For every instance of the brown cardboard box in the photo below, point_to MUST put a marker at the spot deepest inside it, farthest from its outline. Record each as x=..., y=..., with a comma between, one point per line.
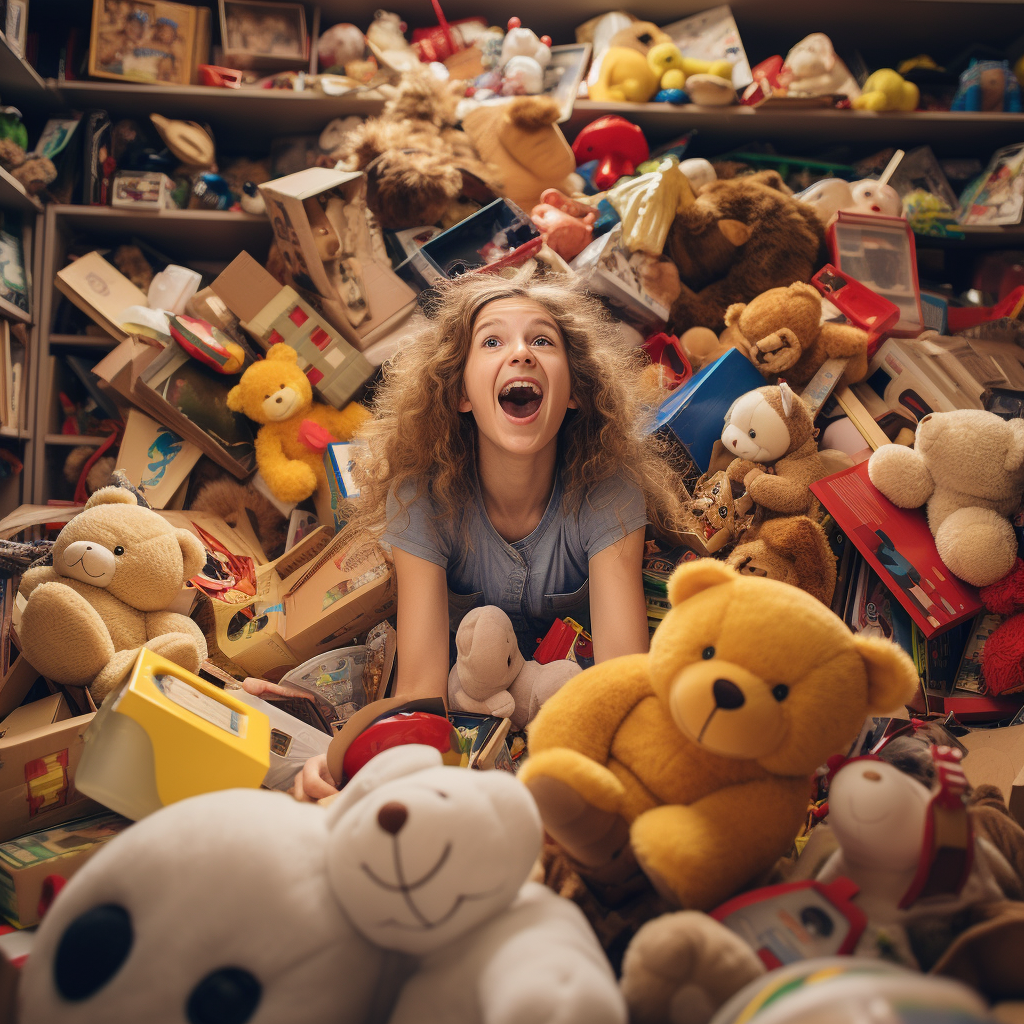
x=348, y=589
x=338, y=197
x=100, y=291
x=37, y=778
x=15, y=685
x=165, y=43
x=37, y=715
x=996, y=757
x=61, y=850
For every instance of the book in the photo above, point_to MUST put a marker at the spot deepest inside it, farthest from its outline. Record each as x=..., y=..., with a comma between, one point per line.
x=899, y=546
x=155, y=458
x=15, y=285
x=875, y=612
x=100, y=291
x=82, y=369
x=860, y=417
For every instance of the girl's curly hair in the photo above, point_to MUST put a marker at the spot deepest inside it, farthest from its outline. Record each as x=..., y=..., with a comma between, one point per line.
x=418, y=434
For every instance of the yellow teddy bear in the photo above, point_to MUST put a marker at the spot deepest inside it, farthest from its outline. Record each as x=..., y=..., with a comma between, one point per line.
x=296, y=430
x=694, y=762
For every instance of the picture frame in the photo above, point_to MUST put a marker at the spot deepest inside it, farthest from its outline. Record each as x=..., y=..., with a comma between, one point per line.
x=261, y=35
x=16, y=25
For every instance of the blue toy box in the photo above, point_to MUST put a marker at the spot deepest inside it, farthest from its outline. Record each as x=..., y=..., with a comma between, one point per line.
x=694, y=414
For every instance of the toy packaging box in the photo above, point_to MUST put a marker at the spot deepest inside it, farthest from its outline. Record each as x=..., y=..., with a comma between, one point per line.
x=264, y=36
x=273, y=314
x=148, y=42
x=333, y=257
x=338, y=463
x=142, y=190
x=27, y=862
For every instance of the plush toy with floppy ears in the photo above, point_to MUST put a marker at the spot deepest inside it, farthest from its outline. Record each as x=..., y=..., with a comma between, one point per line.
x=491, y=676
x=695, y=761
x=785, y=337
x=741, y=237
x=772, y=427
x=968, y=466
x=404, y=900
x=116, y=567
x=295, y=430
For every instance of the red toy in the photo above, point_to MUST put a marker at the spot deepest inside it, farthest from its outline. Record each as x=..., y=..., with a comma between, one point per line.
x=225, y=78
x=206, y=343
x=616, y=144
x=404, y=727
x=665, y=349
x=1003, y=653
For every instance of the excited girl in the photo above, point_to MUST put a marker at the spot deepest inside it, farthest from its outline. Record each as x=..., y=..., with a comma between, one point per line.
x=508, y=464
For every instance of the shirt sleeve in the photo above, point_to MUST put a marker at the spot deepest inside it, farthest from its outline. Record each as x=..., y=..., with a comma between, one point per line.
x=612, y=510
x=412, y=526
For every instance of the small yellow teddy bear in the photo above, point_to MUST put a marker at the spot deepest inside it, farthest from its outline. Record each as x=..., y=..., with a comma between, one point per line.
x=296, y=430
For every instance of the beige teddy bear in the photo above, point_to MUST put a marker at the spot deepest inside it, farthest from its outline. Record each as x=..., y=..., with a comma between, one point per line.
x=116, y=568
x=492, y=677
x=968, y=465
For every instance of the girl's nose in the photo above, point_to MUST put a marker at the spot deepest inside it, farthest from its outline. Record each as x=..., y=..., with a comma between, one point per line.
x=521, y=353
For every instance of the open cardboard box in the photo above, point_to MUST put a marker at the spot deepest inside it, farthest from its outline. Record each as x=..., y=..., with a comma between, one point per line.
x=996, y=757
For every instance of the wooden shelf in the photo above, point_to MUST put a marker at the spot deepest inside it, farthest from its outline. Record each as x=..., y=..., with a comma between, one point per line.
x=14, y=432
x=18, y=79
x=104, y=341
x=948, y=133
x=73, y=440
x=239, y=117
x=14, y=196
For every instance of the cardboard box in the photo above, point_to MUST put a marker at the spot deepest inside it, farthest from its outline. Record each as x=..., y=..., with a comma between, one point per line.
x=996, y=756
x=26, y=862
x=346, y=590
x=148, y=41
x=100, y=291
x=155, y=458
x=341, y=483
x=319, y=209
x=273, y=314
x=142, y=190
x=37, y=715
x=37, y=777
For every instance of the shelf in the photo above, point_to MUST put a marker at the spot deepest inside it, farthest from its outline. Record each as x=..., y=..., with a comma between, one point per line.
x=73, y=440
x=22, y=434
x=18, y=79
x=13, y=195
x=238, y=116
x=946, y=132
x=104, y=341
x=201, y=234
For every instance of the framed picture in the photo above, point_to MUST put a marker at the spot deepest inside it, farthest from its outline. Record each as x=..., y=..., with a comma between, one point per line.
x=16, y=27
x=264, y=36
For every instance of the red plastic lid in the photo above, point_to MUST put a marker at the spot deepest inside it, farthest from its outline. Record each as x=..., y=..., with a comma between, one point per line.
x=406, y=727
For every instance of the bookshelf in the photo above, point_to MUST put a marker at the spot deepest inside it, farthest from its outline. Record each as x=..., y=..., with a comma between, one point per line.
x=201, y=238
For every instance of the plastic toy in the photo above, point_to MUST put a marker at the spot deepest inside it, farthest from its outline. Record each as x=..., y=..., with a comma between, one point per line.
x=567, y=226
x=887, y=90
x=206, y=343
x=990, y=86
x=813, y=69
x=831, y=195
x=523, y=59
x=710, y=90
x=625, y=77
x=224, y=78
x=618, y=145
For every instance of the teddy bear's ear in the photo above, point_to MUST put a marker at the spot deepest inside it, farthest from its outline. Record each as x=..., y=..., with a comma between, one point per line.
x=734, y=231
x=892, y=677
x=395, y=763
x=193, y=554
x=235, y=399
x=284, y=353
x=803, y=288
x=1015, y=448
x=733, y=313
x=693, y=577
x=112, y=495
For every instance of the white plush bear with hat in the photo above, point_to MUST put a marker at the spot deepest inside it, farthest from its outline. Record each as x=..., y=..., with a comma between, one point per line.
x=404, y=900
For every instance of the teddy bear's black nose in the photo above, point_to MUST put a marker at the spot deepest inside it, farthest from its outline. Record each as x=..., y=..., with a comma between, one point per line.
x=278, y=399
x=392, y=816
x=727, y=694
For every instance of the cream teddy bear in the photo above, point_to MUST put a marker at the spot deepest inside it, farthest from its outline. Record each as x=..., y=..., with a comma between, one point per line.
x=492, y=677
x=968, y=465
x=116, y=568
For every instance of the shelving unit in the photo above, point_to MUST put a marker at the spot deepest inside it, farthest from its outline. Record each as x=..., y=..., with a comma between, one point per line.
x=189, y=236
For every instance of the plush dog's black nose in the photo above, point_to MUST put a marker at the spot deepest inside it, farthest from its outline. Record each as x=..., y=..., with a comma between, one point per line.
x=727, y=694
x=391, y=817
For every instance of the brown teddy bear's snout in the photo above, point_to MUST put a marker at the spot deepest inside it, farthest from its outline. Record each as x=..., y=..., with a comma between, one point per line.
x=728, y=709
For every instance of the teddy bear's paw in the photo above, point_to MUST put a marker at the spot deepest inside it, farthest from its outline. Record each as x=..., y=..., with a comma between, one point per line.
x=63, y=636
x=563, y=990
x=291, y=481
x=901, y=475
x=681, y=968
x=594, y=838
x=977, y=544
x=113, y=674
x=177, y=647
x=777, y=352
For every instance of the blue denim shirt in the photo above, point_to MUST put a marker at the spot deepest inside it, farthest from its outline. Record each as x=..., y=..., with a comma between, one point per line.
x=535, y=580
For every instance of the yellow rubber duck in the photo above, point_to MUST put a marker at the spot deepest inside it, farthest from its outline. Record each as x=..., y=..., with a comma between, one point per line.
x=625, y=77
x=887, y=90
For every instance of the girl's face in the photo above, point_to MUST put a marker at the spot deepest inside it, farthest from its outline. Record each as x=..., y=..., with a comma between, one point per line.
x=516, y=381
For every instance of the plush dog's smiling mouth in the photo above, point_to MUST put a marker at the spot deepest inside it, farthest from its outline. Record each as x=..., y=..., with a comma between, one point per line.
x=407, y=888
x=521, y=399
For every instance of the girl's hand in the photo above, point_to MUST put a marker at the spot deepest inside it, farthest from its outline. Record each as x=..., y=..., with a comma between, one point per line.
x=314, y=782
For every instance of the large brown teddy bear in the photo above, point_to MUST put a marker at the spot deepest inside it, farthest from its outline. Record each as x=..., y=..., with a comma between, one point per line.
x=695, y=761
x=116, y=568
x=414, y=156
x=785, y=337
x=739, y=238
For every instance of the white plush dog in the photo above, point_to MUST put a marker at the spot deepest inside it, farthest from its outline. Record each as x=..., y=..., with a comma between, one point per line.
x=246, y=907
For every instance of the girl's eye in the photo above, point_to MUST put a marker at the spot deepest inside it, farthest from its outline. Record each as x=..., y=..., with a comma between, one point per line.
x=491, y=342
x=542, y=341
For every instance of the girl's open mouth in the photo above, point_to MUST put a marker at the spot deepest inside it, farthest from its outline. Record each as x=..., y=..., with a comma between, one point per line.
x=520, y=399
